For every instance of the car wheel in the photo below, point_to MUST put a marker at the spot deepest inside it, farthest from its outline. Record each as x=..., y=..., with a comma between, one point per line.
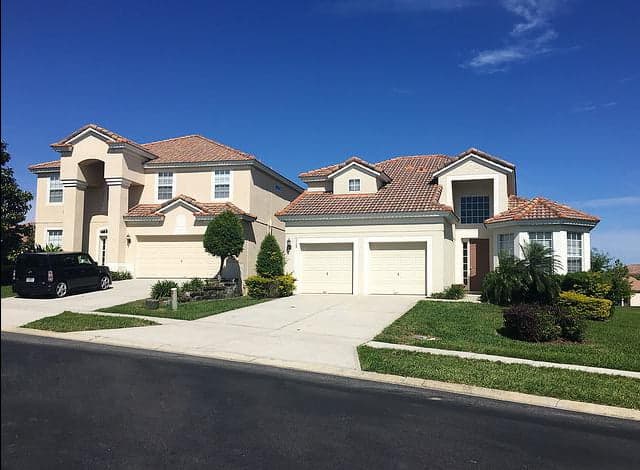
x=61, y=289
x=104, y=283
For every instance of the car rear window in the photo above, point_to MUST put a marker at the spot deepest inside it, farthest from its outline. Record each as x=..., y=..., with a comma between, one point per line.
x=32, y=261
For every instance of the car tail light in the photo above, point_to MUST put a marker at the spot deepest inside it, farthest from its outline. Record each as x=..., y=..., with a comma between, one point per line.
x=50, y=276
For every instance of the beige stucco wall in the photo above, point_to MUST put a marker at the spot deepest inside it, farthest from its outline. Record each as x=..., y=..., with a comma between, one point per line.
x=46, y=215
x=361, y=234
x=368, y=183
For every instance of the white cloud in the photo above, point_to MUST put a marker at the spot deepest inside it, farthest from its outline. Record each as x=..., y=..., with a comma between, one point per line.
x=531, y=36
x=589, y=107
x=622, y=201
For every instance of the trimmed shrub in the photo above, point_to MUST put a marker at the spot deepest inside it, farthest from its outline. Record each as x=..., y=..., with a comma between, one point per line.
x=286, y=285
x=592, y=284
x=194, y=285
x=270, y=261
x=531, y=322
x=162, y=289
x=264, y=287
x=586, y=307
x=573, y=326
x=224, y=237
x=453, y=292
x=120, y=275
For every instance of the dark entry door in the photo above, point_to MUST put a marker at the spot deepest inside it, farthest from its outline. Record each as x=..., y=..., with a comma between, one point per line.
x=478, y=262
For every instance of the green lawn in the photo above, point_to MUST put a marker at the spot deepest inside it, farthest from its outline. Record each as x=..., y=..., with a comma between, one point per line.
x=70, y=321
x=473, y=327
x=7, y=291
x=186, y=311
x=558, y=383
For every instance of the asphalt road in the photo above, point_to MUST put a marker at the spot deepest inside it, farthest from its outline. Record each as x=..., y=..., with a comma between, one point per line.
x=71, y=405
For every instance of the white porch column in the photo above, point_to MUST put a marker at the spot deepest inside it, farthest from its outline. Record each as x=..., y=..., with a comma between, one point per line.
x=586, y=251
x=118, y=207
x=73, y=206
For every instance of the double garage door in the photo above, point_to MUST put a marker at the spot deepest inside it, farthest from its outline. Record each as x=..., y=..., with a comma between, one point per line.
x=174, y=257
x=390, y=268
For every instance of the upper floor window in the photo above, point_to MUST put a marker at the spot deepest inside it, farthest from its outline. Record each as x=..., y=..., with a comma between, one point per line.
x=543, y=238
x=55, y=188
x=474, y=209
x=221, y=184
x=354, y=185
x=54, y=237
x=165, y=185
x=574, y=252
x=505, y=243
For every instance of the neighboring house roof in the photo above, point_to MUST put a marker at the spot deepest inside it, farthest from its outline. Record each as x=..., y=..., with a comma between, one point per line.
x=191, y=149
x=538, y=208
x=634, y=269
x=45, y=165
x=410, y=190
x=635, y=284
x=201, y=209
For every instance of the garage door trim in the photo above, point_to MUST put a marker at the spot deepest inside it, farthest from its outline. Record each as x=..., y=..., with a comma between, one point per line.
x=355, y=255
x=421, y=239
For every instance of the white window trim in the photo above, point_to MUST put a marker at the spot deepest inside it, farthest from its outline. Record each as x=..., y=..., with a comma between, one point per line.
x=173, y=186
x=46, y=235
x=213, y=188
x=49, y=203
x=513, y=242
x=355, y=181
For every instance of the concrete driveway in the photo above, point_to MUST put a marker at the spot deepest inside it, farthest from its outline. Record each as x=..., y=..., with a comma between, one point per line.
x=17, y=311
x=303, y=329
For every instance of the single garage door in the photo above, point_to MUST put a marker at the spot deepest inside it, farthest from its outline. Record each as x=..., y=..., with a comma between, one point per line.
x=397, y=268
x=174, y=256
x=326, y=268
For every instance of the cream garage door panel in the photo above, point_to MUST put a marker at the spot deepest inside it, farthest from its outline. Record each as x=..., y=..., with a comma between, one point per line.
x=326, y=268
x=397, y=268
x=174, y=256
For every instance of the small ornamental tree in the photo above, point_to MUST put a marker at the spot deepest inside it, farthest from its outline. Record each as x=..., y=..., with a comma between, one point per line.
x=270, y=262
x=224, y=237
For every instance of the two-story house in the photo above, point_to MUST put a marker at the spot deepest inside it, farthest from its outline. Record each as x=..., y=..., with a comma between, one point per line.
x=144, y=207
x=417, y=224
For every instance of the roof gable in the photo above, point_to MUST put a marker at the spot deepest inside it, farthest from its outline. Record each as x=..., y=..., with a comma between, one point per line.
x=479, y=157
x=540, y=208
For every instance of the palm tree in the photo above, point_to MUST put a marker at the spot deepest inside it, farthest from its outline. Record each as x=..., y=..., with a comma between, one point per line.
x=540, y=266
x=505, y=285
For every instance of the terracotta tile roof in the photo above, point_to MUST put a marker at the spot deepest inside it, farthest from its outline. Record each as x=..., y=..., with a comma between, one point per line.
x=205, y=208
x=538, y=208
x=410, y=190
x=634, y=269
x=327, y=170
x=116, y=137
x=193, y=148
x=635, y=284
x=45, y=165
x=487, y=156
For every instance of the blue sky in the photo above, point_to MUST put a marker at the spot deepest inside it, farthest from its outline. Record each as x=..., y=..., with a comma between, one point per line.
x=551, y=85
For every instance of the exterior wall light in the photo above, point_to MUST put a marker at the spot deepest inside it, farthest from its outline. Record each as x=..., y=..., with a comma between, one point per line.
x=288, y=246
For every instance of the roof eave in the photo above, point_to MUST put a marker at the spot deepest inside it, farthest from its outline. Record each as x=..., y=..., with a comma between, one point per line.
x=548, y=221
x=450, y=216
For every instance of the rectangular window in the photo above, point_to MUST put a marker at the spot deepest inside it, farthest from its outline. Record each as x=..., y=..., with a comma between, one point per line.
x=465, y=263
x=505, y=243
x=55, y=188
x=54, y=237
x=474, y=209
x=574, y=252
x=354, y=185
x=221, y=184
x=165, y=185
x=543, y=238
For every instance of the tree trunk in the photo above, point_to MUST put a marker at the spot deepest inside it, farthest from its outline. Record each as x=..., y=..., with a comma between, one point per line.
x=219, y=275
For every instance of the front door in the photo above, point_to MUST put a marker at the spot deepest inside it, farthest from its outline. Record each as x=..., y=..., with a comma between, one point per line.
x=478, y=262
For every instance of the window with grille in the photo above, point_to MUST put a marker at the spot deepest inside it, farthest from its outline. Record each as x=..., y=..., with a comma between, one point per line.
x=221, y=184
x=474, y=209
x=55, y=188
x=574, y=252
x=54, y=237
x=165, y=185
x=354, y=185
x=505, y=243
x=543, y=238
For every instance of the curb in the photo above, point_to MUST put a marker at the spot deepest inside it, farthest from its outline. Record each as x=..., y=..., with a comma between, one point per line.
x=461, y=389
x=503, y=359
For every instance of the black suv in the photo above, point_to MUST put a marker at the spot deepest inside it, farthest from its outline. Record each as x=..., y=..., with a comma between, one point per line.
x=58, y=274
